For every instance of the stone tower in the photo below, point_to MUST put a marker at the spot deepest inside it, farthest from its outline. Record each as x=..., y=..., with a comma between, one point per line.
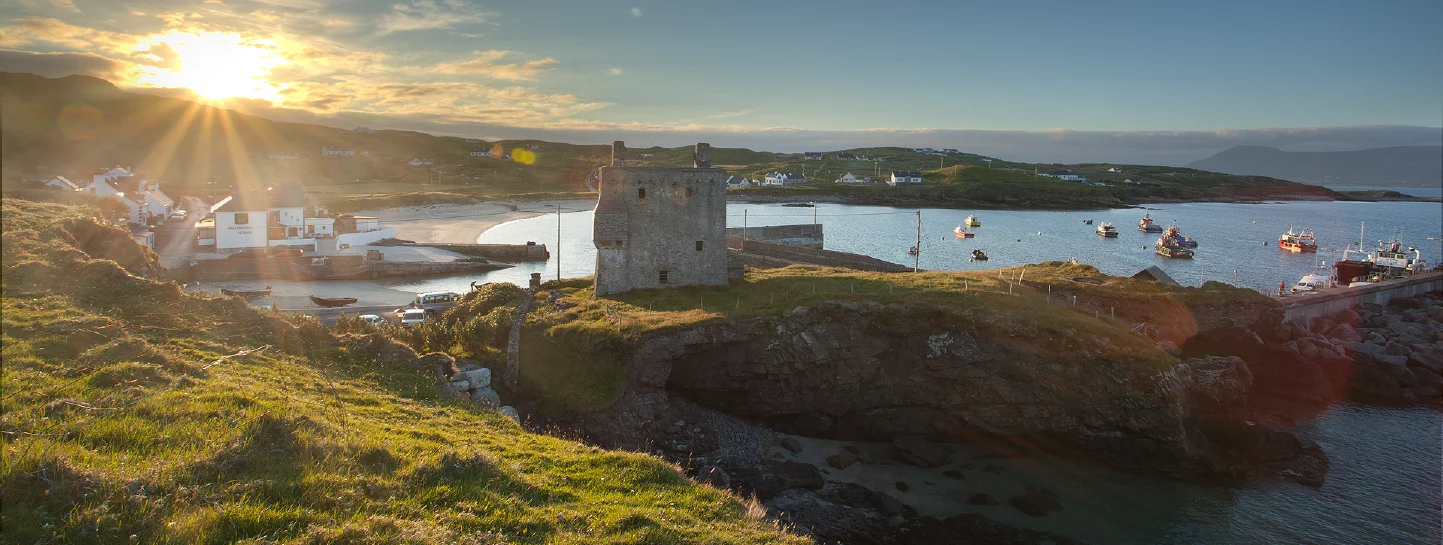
x=660, y=227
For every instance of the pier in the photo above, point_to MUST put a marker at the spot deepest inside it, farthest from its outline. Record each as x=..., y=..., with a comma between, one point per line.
x=1302, y=309
x=807, y=235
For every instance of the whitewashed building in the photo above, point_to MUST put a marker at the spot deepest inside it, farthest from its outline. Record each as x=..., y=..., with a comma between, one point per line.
x=852, y=179
x=738, y=182
x=280, y=217
x=60, y=182
x=904, y=177
x=133, y=190
x=327, y=151
x=783, y=178
x=481, y=152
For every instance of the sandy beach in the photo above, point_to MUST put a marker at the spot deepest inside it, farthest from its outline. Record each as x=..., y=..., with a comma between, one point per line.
x=463, y=223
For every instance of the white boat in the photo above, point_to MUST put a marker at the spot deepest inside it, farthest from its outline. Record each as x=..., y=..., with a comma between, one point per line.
x=961, y=232
x=1107, y=230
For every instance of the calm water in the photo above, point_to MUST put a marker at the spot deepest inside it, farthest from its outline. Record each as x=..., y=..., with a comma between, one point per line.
x=1384, y=485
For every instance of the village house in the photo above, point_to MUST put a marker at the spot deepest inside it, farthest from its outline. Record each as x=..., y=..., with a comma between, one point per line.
x=481, y=152
x=1067, y=175
x=660, y=227
x=904, y=177
x=59, y=182
x=144, y=199
x=109, y=182
x=1115, y=170
x=738, y=182
x=421, y=162
x=782, y=178
x=327, y=151
x=279, y=217
x=283, y=155
x=812, y=156
x=846, y=156
x=136, y=210
x=850, y=178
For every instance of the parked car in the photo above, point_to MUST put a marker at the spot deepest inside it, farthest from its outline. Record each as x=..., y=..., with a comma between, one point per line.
x=412, y=316
x=436, y=302
x=372, y=318
x=178, y=215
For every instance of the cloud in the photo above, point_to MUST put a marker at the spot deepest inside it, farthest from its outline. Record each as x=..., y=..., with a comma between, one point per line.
x=484, y=63
x=65, y=5
x=636, y=12
x=613, y=71
x=29, y=30
x=54, y=65
x=429, y=15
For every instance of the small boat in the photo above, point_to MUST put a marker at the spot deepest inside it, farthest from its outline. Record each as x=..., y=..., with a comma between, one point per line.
x=1301, y=241
x=1107, y=230
x=1165, y=249
x=1174, y=237
x=961, y=232
x=332, y=302
x=800, y=205
x=247, y=294
x=912, y=251
x=972, y=221
x=1147, y=225
x=977, y=255
x=1087, y=222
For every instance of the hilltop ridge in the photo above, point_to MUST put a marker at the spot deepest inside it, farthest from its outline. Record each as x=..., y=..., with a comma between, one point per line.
x=1399, y=166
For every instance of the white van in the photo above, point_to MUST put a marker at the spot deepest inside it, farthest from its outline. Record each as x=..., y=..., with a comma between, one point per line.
x=435, y=302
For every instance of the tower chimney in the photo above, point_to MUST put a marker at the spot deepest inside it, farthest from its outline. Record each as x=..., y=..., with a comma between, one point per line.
x=701, y=158
x=618, y=154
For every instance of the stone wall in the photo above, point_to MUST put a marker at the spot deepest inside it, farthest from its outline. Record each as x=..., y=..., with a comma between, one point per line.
x=766, y=254
x=807, y=235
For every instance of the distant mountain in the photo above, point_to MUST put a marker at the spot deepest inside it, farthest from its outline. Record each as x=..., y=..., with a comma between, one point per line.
x=1403, y=166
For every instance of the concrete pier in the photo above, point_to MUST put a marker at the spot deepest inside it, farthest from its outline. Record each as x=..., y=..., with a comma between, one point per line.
x=1302, y=309
x=807, y=235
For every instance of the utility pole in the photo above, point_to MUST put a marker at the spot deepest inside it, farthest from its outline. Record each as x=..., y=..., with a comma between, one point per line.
x=814, y=213
x=744, y=224
x=917, y=257
x=558, y=242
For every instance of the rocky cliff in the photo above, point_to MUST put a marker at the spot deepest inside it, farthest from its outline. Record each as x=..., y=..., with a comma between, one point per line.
x=869, y=371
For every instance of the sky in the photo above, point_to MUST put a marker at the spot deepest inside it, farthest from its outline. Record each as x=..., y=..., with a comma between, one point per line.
x=1164, y=82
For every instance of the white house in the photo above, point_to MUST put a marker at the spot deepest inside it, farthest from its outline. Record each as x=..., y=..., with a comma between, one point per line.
x=473, y=140
x=327, y=151
x=782, y=178
x=109, y=183
x=421, y=161
x=1115, y=169
x=365, y=130
x=737, y=182
x=812, y=156
x=904, y=177
x=283, y=155
x=279, y=217
x=62, y=183
x=122, y=183
x=136, y=212
x=850, y=178
x=480, y=152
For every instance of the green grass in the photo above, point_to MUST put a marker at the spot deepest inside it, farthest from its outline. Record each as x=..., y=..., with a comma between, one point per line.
x=135, y=413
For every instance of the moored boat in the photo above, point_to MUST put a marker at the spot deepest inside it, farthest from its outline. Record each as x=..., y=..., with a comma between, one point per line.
x=961, y=232
x=977, y=255
x=332, y=302
x=247, y=294
x=1147, y=225
x=1163, y=248
x=972, y=221
x=1175, y=238
x=912, y=251
x=1107, y=230
x=1301, y=241
x=1087, y=222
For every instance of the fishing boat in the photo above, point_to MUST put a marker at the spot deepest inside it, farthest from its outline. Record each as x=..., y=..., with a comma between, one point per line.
x=1347, y=270
x=247, y=294
x=1163, y=248
x=1174, y=237
x=977, y=255
x=912, y=251
x=972, y=221
x=800, y=205
x=961, y=232
x=1087, y=222
x=1394, y=260
x=1107, y=230
x=333, y=302
x=1146, y=225
x=1301, y=241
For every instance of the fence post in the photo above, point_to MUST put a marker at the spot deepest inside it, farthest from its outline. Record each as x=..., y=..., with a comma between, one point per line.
x=889, y=287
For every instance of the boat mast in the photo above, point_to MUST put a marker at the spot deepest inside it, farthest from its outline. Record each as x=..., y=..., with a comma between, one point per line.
x=917, y=257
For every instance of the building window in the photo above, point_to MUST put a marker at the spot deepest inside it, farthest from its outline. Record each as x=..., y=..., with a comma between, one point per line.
x=242, y=218
x=618, y=243
x=688, y=192
x=641, y=192
x=698, y=245
x=661, y=277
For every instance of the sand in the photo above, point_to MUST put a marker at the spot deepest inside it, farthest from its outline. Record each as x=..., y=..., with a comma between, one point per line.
x=464, y=223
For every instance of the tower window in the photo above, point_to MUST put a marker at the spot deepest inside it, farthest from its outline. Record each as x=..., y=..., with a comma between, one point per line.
x=688, y=192
x=641, y=192
x=661, y=277
x=698, y=245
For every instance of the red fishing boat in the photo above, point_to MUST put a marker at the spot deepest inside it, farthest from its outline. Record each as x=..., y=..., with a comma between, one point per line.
x=1301, y=241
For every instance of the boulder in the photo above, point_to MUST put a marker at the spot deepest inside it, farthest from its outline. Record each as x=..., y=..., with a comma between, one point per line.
x=1385, y=360
x=954, y=474
x=888, y=505
x=798, y=475
x=982, y=499
x=510, y=412
x=1397, y=349
x=842, y=460
x=902, y=486
x=1404, y=376
x=791, y=444
x=1036, y=502
x=1426, y=360
x=916, y=450
x=1425, y=393
x=1346, y=316
x=715, y=476
x=478, y=378
x=1426, y=377
x=1369, y=347
x=486, y=397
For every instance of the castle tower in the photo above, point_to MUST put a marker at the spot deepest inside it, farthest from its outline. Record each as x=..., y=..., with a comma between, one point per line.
x=660, y=227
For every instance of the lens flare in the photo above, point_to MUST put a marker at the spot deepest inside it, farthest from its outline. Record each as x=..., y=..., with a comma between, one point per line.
x=216, y=65
x=523, y=156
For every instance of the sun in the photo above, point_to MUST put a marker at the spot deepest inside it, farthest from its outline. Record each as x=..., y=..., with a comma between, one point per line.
x=216, y=65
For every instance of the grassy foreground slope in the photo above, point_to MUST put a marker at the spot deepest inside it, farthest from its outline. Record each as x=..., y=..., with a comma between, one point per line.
x=135, y=413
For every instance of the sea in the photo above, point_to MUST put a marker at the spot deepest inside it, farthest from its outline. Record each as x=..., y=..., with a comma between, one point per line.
x=1385, y=485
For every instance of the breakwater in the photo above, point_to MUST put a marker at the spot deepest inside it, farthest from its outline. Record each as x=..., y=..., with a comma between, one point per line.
x=807, y=235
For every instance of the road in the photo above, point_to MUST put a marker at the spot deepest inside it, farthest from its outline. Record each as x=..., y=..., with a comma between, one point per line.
x=175, y=240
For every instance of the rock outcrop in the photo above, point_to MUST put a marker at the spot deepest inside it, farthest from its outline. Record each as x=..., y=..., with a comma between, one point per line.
x=872, y=372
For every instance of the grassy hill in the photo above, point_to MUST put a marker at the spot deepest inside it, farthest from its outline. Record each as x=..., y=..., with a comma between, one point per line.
x=134, y=413
x=76, y=124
